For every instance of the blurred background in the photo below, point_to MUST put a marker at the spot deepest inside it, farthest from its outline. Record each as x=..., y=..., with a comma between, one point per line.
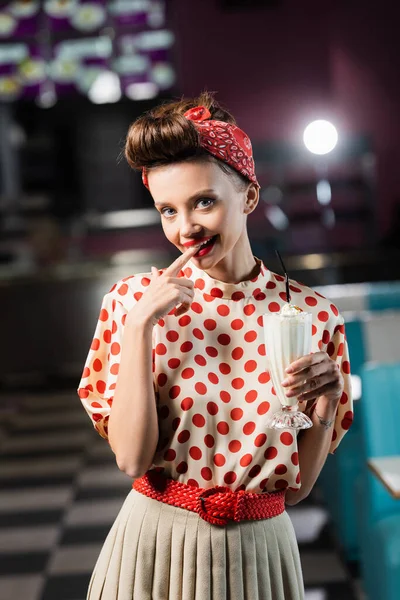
x=316, y=87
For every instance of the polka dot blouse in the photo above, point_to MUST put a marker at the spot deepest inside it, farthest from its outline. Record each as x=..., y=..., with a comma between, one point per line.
x=212, y=387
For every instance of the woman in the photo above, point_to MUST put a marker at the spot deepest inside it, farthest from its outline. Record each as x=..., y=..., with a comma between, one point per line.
x=176, y=381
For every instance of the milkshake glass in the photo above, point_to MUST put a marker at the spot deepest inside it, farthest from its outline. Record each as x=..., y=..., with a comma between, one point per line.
x=287, y=337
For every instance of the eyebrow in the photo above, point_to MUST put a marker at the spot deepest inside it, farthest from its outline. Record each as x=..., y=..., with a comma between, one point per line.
x=195, y=196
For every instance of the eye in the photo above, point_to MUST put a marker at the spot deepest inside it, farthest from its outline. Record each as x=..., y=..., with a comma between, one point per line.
x=210, y=202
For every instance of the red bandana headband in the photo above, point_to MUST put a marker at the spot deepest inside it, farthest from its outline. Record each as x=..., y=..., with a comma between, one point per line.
x=223, y=140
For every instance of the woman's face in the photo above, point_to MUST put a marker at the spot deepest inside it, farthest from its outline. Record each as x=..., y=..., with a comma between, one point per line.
x=198, y=201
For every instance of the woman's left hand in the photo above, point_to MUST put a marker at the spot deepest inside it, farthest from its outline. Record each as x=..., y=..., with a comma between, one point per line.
x=313, y=376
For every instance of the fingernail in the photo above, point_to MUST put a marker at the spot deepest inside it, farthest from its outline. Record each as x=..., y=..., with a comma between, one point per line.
x=285, y=382
x=289, y=370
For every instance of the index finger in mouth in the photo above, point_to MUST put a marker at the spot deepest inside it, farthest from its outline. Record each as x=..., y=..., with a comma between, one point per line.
x=180, y=262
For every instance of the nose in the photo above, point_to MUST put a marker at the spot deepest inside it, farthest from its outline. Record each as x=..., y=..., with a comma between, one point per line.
x=188, y=226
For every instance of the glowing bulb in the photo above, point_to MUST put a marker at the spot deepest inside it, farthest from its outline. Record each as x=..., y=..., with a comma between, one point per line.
x=320, y=137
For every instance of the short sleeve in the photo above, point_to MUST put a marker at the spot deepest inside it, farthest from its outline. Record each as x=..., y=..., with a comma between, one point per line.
x=99, y=377
x=337, y=349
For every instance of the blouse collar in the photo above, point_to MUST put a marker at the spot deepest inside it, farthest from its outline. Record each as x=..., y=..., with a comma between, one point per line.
x=213, y=288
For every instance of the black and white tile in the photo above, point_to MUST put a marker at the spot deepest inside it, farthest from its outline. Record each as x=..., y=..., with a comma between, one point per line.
x=60, y=491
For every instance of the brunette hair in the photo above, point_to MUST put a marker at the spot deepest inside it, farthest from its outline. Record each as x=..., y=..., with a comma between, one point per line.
x=163, y=136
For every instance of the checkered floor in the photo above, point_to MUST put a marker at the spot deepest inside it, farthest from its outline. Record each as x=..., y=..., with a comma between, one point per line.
x=60, y=491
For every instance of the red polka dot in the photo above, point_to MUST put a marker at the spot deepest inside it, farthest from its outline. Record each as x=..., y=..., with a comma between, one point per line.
x=261, y=350
x=200, y=360
x=174, y=392
x=281, y=484
x=169, y=455
x=97, y=417
x=107, y=336
x=199, y=283
x=137, y=295
x=236, y=414
x=211, y=351
x=184, y=320
x=95, y=344
x=237, y=353
x=311, y=301
x=115, y=349
x=271, y=285
x=196, y=307
x=174, y=363
x=212, y=408
x=182, y=467
x=250, y=336
x=295, y=458
x=323, y=316
x=340, y=350
x=161, y=349
x=264, y=377
x=334, y=310
x=234, y=446
x=210, y=324
x=260, y=321
x=274, y=307
x=123, y=289
x=225, y=368
x=314, y=329
x=223, y=428
x=249, y=428
x=187, y=373
x=114, y=369
x=260, y=440
x=198, y=420
x=286, y=438
x=347, y=420
x=298, y=477
x=263, y=408
x=103, y=315
x=84, y=392
x=183, y=436
x=326, y=336
x=225, y=396
x=145, y=281
x=223, y=310
x=294, y=289
x=187, y=403
x=331, y=349
x=162, y=379
x=271, y=453
x=97, y=365
x=186, y=346
x=224, y=339
x=279, y=277
x=217, y=292
x=346, y=367
x=219, y=460
x=250, y=366
x=213, y=378
x=237, y=296
x=198, y=333
x=237, y=383
x=200, y=388
x=283, y=296
x=237, y=324
x=246, y=460
x=249, y=309
x=251, y=396
x=281, y=469
x=344, y=398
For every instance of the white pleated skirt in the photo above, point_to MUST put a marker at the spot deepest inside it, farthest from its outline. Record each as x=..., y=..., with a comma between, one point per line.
x=155, y=551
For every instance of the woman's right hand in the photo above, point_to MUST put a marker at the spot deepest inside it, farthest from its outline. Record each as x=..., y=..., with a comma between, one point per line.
x=166, y=291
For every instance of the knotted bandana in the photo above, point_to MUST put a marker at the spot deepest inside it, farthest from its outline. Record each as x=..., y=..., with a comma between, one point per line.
x=223, y=140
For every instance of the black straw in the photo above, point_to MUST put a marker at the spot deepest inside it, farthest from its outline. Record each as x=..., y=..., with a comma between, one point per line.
x=287, y=276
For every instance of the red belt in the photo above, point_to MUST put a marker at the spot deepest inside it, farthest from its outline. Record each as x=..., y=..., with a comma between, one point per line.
x=217, y=505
